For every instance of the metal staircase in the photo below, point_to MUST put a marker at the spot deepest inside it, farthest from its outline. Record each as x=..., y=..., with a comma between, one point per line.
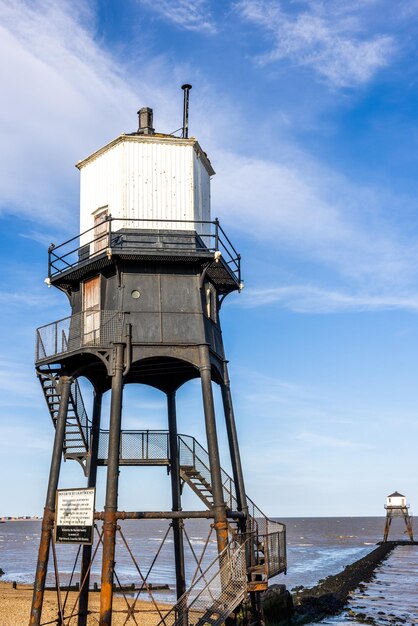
x=267, y=537
x=76, y=441
x=220, y=589
x=247, y=562
x=197, y=483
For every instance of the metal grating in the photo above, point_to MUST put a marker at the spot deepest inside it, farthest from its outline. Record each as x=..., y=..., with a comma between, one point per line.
x=213, y=597
x=138, y=447
x=152, y=448
x=82, y=330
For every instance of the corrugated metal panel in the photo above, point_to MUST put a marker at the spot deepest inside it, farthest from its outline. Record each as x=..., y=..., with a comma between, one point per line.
x=100, y=186
x=140, y=180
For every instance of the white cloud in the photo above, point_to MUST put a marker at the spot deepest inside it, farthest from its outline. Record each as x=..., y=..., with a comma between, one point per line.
x=79, y=98
x=300, y=206
x=328, y=38
x=311, y=299
x=194, y=15
x=63, y=97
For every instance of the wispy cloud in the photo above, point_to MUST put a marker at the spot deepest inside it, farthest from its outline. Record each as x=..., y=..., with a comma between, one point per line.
x=76, y=93
x=328, y=441
x=192, y=15
x=311, y=299
x=329, y=38
x=313, y=212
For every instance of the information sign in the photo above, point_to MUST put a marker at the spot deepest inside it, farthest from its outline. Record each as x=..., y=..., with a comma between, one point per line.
x=74, y=516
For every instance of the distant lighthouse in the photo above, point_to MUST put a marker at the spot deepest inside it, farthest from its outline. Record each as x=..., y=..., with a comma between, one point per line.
x=396, y=506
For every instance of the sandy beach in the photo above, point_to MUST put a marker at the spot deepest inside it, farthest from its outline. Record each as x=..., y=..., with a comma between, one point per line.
x=15, y=607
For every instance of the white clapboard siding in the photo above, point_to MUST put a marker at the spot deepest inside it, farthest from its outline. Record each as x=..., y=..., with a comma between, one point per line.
x=147, y=178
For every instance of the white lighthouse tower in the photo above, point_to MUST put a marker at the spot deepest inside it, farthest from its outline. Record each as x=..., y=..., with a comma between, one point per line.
x=396, y=506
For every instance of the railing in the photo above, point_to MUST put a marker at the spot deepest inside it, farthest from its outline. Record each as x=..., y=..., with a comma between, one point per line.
x=215, y=594
x=80, y=414
x=141, y=447
x=192, y=454
x=152, y=447
x=268, y=535
x=141, y=236
x=81, y=330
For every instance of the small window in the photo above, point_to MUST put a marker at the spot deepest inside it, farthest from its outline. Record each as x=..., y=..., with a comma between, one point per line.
x=211, y=302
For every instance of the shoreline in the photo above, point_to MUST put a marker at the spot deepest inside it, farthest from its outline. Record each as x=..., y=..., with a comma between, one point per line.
x=331, y=595
x=15, y=605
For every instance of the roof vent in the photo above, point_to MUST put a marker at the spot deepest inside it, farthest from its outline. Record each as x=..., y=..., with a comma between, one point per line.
x=186, y=89
x=145, y=121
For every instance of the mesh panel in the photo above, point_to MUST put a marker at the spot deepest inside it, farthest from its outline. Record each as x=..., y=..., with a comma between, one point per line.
x=136, y=446
x=144, y=446
x=213, y=597
x=93, y=328
x=268, y=536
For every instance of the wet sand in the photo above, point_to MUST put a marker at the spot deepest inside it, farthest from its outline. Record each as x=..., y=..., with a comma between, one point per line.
x=15, y=607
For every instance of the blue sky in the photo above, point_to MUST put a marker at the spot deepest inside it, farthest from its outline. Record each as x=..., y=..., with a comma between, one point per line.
x=307, y=110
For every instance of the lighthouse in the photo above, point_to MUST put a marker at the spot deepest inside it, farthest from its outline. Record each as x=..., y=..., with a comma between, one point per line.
x=396, y=506
x=145, y=280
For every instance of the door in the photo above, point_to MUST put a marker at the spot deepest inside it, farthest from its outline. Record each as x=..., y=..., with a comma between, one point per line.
x=91, y=311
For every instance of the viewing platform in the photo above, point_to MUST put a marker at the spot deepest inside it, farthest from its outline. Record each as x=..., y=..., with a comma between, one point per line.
x=188, y=241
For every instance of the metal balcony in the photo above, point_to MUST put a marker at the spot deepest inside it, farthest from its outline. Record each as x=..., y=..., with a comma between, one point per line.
x=81, y=330
x=145, y=239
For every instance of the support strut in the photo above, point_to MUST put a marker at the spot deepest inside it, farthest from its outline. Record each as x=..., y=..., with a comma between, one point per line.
x=219, y=507
x=177, y=524
x=49, y=511
x=111, y=502
x=91, y=482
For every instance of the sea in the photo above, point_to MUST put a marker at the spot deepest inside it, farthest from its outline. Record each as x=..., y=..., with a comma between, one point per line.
x=316, y=548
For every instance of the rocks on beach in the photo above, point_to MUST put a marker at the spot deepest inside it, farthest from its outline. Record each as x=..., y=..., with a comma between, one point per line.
x=327, y=598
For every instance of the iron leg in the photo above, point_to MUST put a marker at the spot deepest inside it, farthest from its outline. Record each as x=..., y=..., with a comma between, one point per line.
x=83, y=602
x=109, y=524
x=219, y=507
x=176, y=495
x=49, y=511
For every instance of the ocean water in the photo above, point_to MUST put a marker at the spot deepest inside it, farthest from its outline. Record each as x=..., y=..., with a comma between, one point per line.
x=316, y=547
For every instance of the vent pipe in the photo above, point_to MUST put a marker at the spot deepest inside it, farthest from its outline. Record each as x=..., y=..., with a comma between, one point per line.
x=186, y=88
x=145, y=121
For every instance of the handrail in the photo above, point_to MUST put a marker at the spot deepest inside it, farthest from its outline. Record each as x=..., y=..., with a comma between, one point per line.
x=64, y=256
x=77, y=331
x=219, y=589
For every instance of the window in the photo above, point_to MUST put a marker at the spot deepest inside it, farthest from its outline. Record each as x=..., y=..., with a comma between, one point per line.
x=211, y=302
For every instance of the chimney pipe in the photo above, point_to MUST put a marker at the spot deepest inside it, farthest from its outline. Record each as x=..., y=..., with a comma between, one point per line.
x=186, y=88
x=145, y=121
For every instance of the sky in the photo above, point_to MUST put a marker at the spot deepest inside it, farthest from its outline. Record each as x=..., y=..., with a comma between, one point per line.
x=307, y=110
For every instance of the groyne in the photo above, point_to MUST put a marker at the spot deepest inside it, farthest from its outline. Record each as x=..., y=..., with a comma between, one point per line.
x=328, y=597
